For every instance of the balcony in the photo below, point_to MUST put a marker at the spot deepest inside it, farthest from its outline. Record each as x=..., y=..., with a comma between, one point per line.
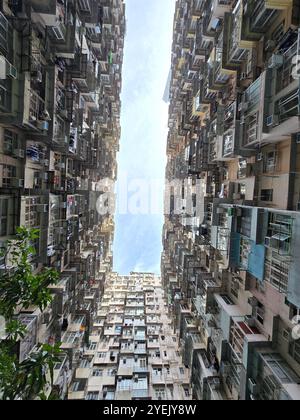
x=243, y=335
x=237, y=44
x=37, y=113
x=204, y=301
x=202, y=369
x=275, y=380
x=218, y=10
x=196, y=8
x=264, y=13
x=232, y=131
x=279, y=235
x=49, y=12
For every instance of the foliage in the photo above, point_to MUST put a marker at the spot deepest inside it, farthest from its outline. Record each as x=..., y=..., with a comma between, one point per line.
x=27, y=380
x=20, y=289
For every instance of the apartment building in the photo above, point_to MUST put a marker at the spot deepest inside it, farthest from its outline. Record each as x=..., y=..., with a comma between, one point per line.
x=230, y=266
x=60, y=83
x=133, y=351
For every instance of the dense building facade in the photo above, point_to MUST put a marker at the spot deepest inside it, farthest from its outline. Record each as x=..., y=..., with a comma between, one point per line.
x=60, y=83
x=230, y=267
x=133, y=352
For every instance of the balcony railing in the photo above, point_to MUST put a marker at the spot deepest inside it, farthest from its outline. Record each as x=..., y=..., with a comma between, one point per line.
x=262, y=16
x=3, y=33
x=289, y=106
x=285, y=73
x=36, y=106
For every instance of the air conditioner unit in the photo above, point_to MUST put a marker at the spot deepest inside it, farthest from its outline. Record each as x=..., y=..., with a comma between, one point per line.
x=215, y=384
x=243, y=106
x=276, y=61
x=43, y=125
x=18, y=183
x=2, y=67
x=11, y=71
x=7, y=70
x=64, y=113
x=250, y=321
x=42, y=208
x=226, y=368
x=260, y=157
x=7, y=148
x=20, y=153
x=253, y=388
x=253, y=302
x=46, y=316
x=40, y=176
x=221, y=210
x=58, y=33
x=267, y=241
x=272, y=120
x=270, y=45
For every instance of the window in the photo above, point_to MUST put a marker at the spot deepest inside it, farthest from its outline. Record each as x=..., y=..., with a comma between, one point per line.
x=260, y=313
x=5, y=94
x=97, y=372
x=160, y=393
x=85, y=364
x=186, y=391
x=3, y=33
x=157, y=371
x=140, y=383
x=70, y=337
x=8, y=172
x=234, y=288
x=32, y=216
x=170, y=391
x=10, y=141
x=6, y=218
x=143, y=363
x=266, y=195
x=92, y=396
x=181, y=371
x=92, y=346
x=294, y=350
x=78, y=386
x=270, y=162
x=125, y=385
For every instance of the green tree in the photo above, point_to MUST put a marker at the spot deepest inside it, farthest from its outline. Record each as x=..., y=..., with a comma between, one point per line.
x=20, y=289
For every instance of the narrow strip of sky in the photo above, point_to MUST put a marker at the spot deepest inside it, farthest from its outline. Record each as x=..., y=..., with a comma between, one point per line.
x=144, y=121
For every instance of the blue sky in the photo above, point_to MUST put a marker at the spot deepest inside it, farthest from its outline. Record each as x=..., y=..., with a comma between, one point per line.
x=144, y=119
